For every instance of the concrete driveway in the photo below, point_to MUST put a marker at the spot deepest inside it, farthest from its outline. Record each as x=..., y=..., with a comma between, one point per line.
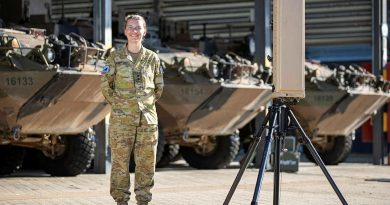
x=360, y=183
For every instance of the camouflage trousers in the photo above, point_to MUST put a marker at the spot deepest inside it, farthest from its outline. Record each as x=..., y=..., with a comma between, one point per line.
x=142, y=141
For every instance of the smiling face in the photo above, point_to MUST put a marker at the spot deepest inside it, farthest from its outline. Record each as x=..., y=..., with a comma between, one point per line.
x=135, y=29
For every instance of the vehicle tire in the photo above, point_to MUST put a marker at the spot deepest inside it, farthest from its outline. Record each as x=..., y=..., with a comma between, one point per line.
x=11, y=159
x=31, y=158
x=160, y=145
x=159, y=153
x=224, y=152
x=246, y=139
x=170, y=152
x=337, y=152
x=76, y=159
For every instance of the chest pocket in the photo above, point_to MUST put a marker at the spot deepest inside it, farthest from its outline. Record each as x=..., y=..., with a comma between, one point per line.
x=124, y=77
x=148, y=76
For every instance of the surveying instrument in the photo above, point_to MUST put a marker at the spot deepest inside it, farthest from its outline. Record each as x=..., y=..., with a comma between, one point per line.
x=289, y=86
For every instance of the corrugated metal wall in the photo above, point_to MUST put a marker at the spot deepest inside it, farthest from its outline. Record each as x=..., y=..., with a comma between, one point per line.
x=338, y=22
x=72, y=9
x=223, y=18
x=84, y=8
x=327, y=21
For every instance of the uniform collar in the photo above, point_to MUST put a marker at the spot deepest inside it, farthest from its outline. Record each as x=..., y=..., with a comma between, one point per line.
x=126, y=53
x=128, y=56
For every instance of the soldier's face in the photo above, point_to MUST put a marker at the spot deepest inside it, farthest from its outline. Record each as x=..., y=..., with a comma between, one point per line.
x=135, y=30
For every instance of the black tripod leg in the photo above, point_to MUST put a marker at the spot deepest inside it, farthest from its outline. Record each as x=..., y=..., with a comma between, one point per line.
x=247, y=159
x=259, y=181
x=280, y=135
x=276, y=163
x=316, y=157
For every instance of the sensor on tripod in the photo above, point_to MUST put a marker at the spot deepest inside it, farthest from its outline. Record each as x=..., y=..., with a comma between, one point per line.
x=288, y=54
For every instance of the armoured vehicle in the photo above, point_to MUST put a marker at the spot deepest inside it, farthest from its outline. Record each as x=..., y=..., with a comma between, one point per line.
x=339, y=99
x=206, y=101
x=49, y=100
x=209, y=106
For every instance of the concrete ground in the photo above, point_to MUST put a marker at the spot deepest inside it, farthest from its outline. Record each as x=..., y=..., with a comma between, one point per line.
x=360, y=183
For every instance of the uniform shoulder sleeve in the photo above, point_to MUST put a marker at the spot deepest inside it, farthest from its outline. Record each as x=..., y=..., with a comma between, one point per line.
x=108, y=77
x=158, y=76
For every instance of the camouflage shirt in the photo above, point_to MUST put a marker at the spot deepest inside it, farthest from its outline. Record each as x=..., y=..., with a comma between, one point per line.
x=132, y=87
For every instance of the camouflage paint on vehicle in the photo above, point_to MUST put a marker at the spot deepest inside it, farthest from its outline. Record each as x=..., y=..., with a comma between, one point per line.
x=195, y=103
x=50, y=97
x=333, y=107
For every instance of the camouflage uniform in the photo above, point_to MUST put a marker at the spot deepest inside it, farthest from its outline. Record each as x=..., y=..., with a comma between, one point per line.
x=132, y=87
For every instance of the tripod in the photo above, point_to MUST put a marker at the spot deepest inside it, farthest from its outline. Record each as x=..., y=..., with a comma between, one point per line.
x=278, y=119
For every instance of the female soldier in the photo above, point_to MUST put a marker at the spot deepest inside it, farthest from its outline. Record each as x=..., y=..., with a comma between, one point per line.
x=132, y=82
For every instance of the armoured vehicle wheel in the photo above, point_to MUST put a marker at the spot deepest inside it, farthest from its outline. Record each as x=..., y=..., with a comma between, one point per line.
x=219, y=153
x=336, y=150
x=159, y=154
x=31, y=158
x=160, y=145
x=76, y=157
x=11, y=158
x=170, y=152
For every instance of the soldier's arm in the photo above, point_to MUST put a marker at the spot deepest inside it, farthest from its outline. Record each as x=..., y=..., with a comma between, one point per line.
x=158, y=79
x=108, y=78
